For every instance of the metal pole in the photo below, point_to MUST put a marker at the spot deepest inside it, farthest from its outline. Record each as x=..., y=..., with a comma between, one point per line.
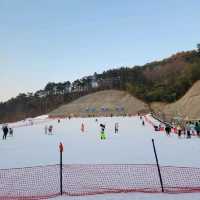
x=61, y=173
x=160, y=177
x=61, y=168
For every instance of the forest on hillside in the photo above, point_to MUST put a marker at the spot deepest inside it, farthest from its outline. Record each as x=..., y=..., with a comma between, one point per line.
x=165, y=81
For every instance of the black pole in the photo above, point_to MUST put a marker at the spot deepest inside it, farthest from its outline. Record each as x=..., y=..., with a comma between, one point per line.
x=61, y=178
x=160, y=177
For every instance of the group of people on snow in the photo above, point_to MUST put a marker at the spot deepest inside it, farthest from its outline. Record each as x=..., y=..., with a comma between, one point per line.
x=178, y=126
x=102, y=129
x=187, y=130
x=48, y=129
x=103, y=126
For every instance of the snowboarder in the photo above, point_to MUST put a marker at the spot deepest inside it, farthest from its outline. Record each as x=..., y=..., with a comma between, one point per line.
x=116, y=127
x=5, y=131
x=103, y=135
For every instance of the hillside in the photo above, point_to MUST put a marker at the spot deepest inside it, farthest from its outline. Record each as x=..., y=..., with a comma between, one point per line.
x=186, y=107
x=165, y=81
x=110, y=99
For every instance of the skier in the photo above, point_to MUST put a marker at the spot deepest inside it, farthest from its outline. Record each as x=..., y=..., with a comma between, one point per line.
x=10, y=131
x=156, y=128
x=184, y=131
x=168, y=130
x=188, y=129
x=143, y=122
x=50, y=129
x=197, y=128
x=5, y=131
x=178, y=128
x=46, y=129
x=116, y=127
x=103, y=135
x=82, y=128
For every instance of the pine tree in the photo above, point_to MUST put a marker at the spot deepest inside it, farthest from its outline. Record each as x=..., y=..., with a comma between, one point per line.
x=198, y=48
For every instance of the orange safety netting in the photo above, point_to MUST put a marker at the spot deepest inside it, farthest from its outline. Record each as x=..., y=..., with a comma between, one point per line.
x=43, y=181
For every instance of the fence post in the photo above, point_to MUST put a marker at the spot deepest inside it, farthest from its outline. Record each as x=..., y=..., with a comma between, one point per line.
x=160, y=177
x=61, y=167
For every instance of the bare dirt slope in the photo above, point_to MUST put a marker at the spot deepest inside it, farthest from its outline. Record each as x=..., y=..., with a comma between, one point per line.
x=116, y=102
x=188, y=107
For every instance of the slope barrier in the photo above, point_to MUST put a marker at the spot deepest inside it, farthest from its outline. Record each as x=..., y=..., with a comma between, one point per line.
x=42, y=182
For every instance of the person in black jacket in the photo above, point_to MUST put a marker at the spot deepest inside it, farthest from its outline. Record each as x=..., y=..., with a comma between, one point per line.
x=167, y=129
x=143, y=122
x=5, y=132
x=116, y=127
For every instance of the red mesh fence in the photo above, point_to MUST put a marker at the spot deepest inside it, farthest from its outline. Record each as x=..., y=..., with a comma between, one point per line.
x=78, y=180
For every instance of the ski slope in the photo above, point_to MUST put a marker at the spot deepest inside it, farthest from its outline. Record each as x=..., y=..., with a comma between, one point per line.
x=30, y=146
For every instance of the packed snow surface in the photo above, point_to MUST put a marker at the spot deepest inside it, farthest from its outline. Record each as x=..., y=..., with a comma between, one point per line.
x=30, y=146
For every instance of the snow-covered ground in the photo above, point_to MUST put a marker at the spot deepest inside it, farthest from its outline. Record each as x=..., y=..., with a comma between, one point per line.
x=30, y=146
x=135, y=196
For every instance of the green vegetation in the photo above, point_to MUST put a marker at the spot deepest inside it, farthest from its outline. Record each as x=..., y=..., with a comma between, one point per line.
x=165, y=81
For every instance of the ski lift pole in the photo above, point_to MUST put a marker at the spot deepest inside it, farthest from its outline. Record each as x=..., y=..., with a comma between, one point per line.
x=160, y=177
x=61, y=167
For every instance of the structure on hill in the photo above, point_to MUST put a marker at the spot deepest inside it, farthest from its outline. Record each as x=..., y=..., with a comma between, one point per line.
x=103, y=103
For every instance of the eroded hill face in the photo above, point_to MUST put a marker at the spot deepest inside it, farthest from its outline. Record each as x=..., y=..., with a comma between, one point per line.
x=188, y=107
x=103, y=103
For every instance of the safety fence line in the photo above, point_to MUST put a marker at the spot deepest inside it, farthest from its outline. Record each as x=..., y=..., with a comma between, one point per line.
x=149, y=121
x=42, y=182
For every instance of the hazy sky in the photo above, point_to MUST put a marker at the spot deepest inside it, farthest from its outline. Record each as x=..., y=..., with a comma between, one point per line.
x=60, y=40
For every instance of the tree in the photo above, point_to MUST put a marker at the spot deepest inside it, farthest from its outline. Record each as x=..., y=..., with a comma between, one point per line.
x=76, y=85
x=67, y=84
x=198, y=48
x=49, y=86
x=60, y=87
